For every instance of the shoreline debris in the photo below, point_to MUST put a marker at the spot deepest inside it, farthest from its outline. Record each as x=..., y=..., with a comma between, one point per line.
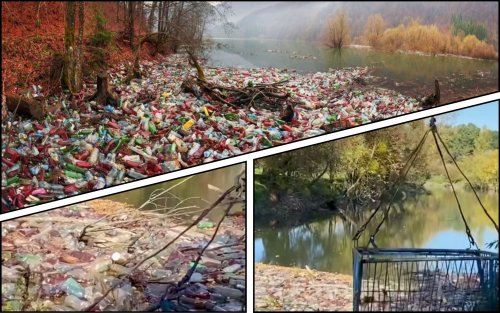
x=158, y=128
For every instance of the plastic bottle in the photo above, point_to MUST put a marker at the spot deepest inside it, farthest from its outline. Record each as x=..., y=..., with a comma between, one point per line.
x=75, y=303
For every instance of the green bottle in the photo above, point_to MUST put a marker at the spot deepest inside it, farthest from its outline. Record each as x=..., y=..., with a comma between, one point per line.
x=266, y=142
x=72, y=174
x=12, y=180
x=152, y=128
x=74, y=168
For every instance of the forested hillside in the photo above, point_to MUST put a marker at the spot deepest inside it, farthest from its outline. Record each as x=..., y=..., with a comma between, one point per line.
x=307, y=20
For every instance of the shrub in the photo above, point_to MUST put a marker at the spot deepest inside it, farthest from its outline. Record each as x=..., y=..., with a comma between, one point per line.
x=476, y=48
x=374, y=30
x=430, y=39
x=101, y=37
x=393, y=38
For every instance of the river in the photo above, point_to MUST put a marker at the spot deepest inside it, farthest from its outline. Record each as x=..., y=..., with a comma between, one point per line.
x=426, y=221
x=410, y=74
x=196, y=187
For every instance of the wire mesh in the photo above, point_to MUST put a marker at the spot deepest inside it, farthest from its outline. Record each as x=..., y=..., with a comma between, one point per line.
x=425, y=280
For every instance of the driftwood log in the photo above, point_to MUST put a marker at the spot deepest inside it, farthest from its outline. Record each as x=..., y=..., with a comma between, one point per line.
x=269, y=96
x=104, y=94
x=433, y=99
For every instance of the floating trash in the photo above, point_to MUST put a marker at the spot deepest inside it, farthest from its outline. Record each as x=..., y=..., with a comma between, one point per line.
x=67, y=271
x=158, y=128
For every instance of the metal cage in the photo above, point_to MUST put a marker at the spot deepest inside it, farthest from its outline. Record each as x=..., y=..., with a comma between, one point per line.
x=424, y=280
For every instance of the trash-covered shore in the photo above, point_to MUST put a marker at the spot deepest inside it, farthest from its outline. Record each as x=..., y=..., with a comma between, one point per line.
x=48, y=265
x=279, y=288
x=158, y=128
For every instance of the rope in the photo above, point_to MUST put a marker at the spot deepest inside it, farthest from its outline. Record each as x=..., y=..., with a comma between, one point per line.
x=412, y=155
x=467, y=229
x=404, y=171
x=467, y=179
x=407, y=169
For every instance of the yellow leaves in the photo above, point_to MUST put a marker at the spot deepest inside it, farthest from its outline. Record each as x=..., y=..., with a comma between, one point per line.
x=338, y=33
x=382, y=147
x=374, y=29
x=424, y=38
x=482, y=167
x=474, y=47
x=373, y=166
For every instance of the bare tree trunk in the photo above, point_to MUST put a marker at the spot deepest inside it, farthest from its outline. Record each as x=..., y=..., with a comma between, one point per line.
x=180, y=8
x=4, y=100
x=78, y=69
x=125, y=6
x=141, y=17
x=130, y=28
x=163, y=24
x=68, y=79
x=38, y=22
x=117, y=11
x=152, y=15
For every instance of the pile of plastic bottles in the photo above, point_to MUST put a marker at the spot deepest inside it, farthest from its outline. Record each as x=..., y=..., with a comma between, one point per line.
x=162, y=129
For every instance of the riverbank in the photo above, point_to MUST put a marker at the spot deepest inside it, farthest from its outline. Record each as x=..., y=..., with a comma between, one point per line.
x=422, y=53
x=296, y=203
x=279, y=288
x=50, y=263
x=160, y=128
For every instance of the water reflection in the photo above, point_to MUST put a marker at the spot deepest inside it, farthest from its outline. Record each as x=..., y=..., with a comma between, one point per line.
x=408, y=73
x=428, y=221
x=196, y=187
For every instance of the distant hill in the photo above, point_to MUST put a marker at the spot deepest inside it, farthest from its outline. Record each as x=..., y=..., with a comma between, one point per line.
x=239, y=10
x=306, y=20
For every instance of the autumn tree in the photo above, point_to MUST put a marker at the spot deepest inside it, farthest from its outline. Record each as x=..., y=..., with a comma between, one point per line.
x=179, y=24
x=72, y=69
x=486, y=140
x=374, y=30
x=338, y=30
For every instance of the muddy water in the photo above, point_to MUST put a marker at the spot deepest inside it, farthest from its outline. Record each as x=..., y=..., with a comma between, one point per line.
x=427, y=221
x=410, y=74
x=195, y=188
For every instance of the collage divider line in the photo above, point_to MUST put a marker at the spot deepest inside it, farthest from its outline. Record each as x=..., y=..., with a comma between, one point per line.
x=250, y=156
x=250, y=294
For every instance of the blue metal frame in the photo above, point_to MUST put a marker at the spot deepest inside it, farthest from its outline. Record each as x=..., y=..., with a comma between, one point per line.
x=363, y=256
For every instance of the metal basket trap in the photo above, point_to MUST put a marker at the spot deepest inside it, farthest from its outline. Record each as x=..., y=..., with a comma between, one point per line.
x=424, y=280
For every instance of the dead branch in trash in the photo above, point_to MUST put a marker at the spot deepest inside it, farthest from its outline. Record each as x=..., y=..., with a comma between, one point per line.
x=236, y=187
x=26, y=282
x=194, y=62
x=266, y=95
x=190, y=272
x=155, y=196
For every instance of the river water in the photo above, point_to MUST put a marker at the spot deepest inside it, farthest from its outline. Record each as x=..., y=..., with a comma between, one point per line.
x=196, y=188
x=427, y=221
x=410, y=74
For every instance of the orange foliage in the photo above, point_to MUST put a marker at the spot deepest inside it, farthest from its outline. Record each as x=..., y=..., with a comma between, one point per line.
x=428, y=39
x=374, y=30
x=27, y=49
